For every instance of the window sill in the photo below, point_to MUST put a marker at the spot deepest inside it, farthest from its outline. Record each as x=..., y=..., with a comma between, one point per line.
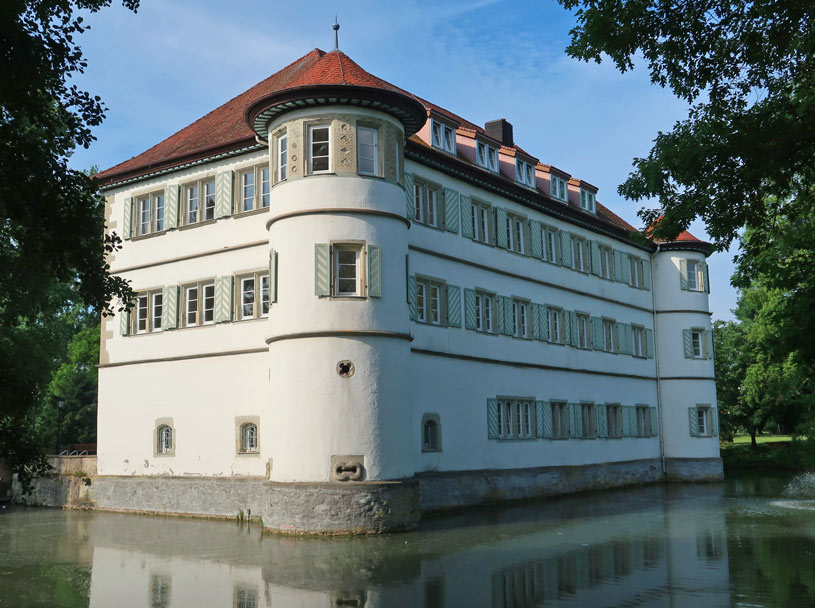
x=250, y=212
x=141, y=237
x=348, y=298
x=247, y=454
x=516, y=439
x=262, y=318
x=418, y=223
x=431, y=450
x=197, y=224
x=164, y=454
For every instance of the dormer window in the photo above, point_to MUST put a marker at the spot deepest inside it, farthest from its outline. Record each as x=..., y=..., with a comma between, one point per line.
x=558, y=188
x=487, y=156
x=524, y=173
x=587, y=200
x=443, y=136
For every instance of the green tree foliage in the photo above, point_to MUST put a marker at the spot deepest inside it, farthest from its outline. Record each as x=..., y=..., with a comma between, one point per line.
x=747, y=67
x=730, y=363
x=51, y=216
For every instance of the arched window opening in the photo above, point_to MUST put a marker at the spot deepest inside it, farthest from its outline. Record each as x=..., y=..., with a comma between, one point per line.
x=165, y=439
x=249, y=438
x=431, y=436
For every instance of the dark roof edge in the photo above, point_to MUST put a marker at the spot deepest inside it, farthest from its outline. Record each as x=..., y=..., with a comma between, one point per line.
x=699, y=246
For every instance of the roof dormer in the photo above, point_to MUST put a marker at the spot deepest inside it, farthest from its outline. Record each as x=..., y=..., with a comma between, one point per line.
x=486, y=153
x=443, y=133
x=558, y=180
x=582, y=194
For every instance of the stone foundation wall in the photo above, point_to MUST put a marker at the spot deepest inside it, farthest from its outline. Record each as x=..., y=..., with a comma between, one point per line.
x=344, y=508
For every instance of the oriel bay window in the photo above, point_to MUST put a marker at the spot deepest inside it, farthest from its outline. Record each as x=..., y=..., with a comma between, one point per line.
x=148, y=311
x=253, y=295
x=199, y=201
x=150, y=213
x=347, y=269
x=426, y=200
x=199, y=303
x=319, y=151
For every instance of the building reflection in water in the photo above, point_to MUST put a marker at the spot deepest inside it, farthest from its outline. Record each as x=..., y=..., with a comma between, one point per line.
x=658, y=546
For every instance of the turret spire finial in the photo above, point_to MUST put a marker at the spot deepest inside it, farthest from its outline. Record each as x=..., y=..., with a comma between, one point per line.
x=336, y=28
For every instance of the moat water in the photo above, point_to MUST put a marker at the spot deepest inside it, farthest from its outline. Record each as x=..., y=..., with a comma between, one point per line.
x=749, y=541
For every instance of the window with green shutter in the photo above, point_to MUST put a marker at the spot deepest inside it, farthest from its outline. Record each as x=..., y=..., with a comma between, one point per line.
x=452, y=203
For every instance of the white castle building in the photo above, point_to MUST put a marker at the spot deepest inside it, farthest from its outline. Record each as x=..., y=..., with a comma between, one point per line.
x=355, y=306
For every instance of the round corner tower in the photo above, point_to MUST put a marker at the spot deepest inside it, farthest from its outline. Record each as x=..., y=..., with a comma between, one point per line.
x=338, y=329
x=684, y=346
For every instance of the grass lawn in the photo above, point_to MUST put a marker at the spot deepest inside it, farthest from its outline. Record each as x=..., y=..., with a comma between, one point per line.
x=773, y=453
x=739, y=439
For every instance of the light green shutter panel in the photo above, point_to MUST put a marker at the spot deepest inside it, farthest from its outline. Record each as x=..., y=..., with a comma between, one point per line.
x=452, y=205
x=594, y=249
x=632, y=423
x=499, y=314
x=575, y=420
x=223, y=299
x=412, y=305
x=626, y=268
x=625, y=335
x=706, y=277
x=535, y=241
x=544, y=317
x=469, y=309
x=709, y=341
x=683, y=274
x=171, y=206
x=223, y=194
x=545, y=416
x=626, y=420
x=688, y=344
x=410, y=203
x=506, y=310
x=649, y=343
x=453, y=306
x=169, y=307
x=618, y=266
x=124, y=322
x=566, y=328
x=572, y=322
x=597, y=333
x=374, y=271
x=694, y=423
x=492, y=418
x=322, y=269
x=501, y=227
x=654, y=422
x=272, y=276
x=536, y=322
x=601, y=414
x=127, y=220
x=466, y=216
x=527, y=238
x=646, y=275
x=714, y=418
x=566, y=248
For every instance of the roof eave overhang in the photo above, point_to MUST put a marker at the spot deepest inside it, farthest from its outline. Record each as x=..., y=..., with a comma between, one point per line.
x=407, y=110
x=702, y=247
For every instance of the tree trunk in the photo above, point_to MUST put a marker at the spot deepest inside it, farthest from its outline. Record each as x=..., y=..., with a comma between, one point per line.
x=753, y=438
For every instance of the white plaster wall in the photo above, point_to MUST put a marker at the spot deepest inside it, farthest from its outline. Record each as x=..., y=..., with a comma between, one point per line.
x=202, y=396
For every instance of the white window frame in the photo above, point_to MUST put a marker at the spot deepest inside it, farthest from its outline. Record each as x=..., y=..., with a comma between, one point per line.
x=560, y=420
x=165, y=439
x=695, y=278
x=609, y=337
x=431, y=440
x=588, y=420
x=336, y=250
x=486, y=156
x=485, y=312
x=201, y=311
x=480, y=218
x=282, y=156
x=703, y=421
x=639, y=348
x=558, y=188
x=249, y=439
x=259, y=301
x=374, y=150
x=516, y=228
x=587, y=200
x=442, y=136
x=520, y=318
x=205, y=201
x=311, y=157
x=635, y=272
x=147, y=312
x=516, y=418
x=150, y=212
x=643, y=421
x=579, y=254
x=583, y=330
x=614, y=418
x=430, y=301
x=555, y=319
x=525, y=173
x=260, y=197
x=549, y=238
x=426, y=203
x=697, y=342
x=606, y=262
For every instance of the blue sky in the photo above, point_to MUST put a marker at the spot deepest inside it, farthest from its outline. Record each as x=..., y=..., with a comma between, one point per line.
x=176, y=60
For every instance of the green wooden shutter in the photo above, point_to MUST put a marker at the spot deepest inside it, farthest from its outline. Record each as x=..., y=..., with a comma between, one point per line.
x=626, y=338
x=171, y=206
x=452, y=206
x=601, y=415
x=683, y=274
x=536, y=321
x=466, y=216
x=597, y=333
x=566, y=248
x=412, y=305
x=535, y=241
x=506, y=313
x=694, y=423
x=688, y=343
x=470, y=321
x=501, y=227
x=632, y=420
x=646, y=275
x=545, y=413
x=649, y=343
x=124, y=322
x=453, y=306
x=626, y=422
x=709, y=343
x=169, y=307
x=492, y=418
x=654, y=421
x=322, y=269
x=594, y=249
x=223, y=299
x=410, y=203
x=706, y=277
x=223, y=194
x=272, y=276
x=127, y=220
x=572, y=322
x=618, y=266
x=539, y=407
x=626, y=268
x=714, y=420
x=374, y=271
x=527, y=238
x=544, y=317
x=575, y=420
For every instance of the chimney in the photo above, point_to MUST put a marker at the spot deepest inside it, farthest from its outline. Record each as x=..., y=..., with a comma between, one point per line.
x=501, y=130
